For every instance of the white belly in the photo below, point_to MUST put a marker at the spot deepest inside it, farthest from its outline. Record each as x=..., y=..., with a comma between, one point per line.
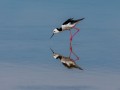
x=68, y=26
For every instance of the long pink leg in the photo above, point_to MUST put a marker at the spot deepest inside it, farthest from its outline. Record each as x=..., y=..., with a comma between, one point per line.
x=76, y=31
x=70, y=43
x=71, y=52
x=70, y=36
x=77, y=58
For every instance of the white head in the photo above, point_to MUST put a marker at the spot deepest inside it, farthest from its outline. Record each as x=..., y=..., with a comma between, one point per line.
x=55, y=55
x=56, y=30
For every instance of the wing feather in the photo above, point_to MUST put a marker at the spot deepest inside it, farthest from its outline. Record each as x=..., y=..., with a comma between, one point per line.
x=67, y=21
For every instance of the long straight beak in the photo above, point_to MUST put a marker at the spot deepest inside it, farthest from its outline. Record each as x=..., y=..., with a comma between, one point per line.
x=52, y=35
x=52, y=50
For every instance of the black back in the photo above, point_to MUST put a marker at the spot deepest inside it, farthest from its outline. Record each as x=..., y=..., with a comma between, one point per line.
x=59, y=57
x=70, y=20
x=59, y=29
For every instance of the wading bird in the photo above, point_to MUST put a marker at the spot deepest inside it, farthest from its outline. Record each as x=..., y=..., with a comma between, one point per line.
x=68, y=25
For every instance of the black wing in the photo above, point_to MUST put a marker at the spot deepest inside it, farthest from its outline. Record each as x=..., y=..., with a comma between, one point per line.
x=74, y=21
x=78, y=67
x=72, y=66
x=70, y=20
x=67, y=21
x=66, y=65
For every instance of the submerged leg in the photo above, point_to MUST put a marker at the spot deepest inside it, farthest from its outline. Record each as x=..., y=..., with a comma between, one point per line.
x=71, y=52
x=70, y=49
x=70, y=36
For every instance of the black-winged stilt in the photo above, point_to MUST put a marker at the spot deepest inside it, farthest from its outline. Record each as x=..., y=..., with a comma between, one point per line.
x=68, y=25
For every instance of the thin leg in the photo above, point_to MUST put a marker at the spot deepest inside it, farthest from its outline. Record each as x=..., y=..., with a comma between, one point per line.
x=76, y=31
x=77, y=58
x=70, y=36
x=71, y=52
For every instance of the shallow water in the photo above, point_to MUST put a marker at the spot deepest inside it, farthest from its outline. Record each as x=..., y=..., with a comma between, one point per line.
x=26, y=62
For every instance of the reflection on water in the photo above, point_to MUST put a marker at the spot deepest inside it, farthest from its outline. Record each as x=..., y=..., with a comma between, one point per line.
x=67, y=61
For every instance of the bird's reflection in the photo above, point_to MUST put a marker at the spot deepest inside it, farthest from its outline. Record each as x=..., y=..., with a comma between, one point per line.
x=67, y=61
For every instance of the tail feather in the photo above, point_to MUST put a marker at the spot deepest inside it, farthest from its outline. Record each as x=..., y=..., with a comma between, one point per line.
x=80, y=19
x=74, y=21
x=79, y=67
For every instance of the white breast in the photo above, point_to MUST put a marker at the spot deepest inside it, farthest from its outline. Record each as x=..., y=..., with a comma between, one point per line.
x=68, y=26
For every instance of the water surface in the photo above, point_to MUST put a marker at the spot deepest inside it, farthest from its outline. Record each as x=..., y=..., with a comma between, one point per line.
x=26, y=62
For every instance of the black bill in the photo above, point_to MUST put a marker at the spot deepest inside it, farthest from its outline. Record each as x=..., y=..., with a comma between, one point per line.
x=52, y=35
x=52, y=50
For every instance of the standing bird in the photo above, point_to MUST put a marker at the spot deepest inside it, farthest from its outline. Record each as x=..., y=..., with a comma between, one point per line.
x=68, y=25
x=66, y=61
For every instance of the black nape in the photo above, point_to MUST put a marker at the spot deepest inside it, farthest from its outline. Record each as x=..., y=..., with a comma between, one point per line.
x=59, y=29
x=59, y=57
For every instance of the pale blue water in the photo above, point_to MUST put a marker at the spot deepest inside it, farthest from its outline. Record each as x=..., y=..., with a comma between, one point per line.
x=26, y=62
